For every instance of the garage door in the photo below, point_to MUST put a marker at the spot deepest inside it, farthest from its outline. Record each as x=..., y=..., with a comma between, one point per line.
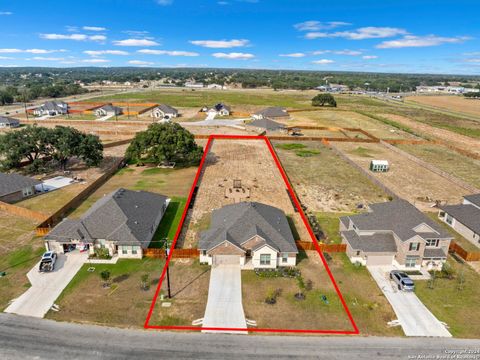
x=226, y=259
x=379, y=260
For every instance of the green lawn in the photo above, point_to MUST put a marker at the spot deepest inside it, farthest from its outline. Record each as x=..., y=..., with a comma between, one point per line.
x=170, y=222
x=330, y=225
x=456, y=305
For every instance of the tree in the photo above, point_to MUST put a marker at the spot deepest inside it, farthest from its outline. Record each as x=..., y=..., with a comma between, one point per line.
x=165, y=143
x=105, y=275
x=322, y=99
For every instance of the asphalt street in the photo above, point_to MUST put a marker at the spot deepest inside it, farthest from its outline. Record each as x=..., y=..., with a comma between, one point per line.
x=31, y=338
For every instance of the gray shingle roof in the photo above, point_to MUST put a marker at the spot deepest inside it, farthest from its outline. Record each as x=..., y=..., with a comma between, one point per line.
x=123, y=216
x=468, y=215
x=273, y=112
x=110, y=108
x=167, y=109
x=434, y=253
x=266, y=124
x=54, y=106
x=11, y=183
x=474, y=199
x=239, y=222
x=401, y=217
x=378, y=242
x=9, y=121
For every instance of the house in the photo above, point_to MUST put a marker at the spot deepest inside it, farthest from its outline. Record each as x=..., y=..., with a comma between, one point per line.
x=249, y=233
x=395, y=233
x=193, y=85
x=220, y=109
x=108, y=110
x=266, y=124
x=379, y=165
x=15, y=187
x=464, y=218
x=124, y=222
x=164, y=112
x=51, y=108
x=333, y=88
x=8, y=122
x=216, y=86
x=274, y=112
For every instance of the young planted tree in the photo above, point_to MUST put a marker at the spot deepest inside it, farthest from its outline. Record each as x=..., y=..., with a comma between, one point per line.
x=322, y=99
x=165, y=143
x=105, y=275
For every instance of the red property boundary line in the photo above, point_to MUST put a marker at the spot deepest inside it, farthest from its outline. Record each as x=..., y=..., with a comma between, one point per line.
x=355, y=330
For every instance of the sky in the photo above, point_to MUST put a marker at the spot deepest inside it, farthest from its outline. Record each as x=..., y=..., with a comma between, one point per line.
x=343, y=35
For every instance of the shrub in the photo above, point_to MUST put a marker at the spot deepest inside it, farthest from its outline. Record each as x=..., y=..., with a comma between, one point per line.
x=105, y=275
x=272, y=296
x=102, y=253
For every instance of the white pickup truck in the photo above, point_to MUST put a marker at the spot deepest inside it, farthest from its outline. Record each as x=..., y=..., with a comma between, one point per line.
x=48, y=261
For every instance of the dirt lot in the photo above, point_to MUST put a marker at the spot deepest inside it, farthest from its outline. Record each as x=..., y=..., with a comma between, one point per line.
x=325, y=181
x=249, y=161
x=458, y=104
x=407, y=179
x=461, y=141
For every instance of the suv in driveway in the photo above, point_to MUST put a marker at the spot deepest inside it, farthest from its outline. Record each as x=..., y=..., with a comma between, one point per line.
x=402, y=280
x=47, y=263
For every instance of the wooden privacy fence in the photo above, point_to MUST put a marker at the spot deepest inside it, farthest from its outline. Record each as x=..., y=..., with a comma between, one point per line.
x=308, y=245
x=465, y=255
x=23, y=212
x=177, y=253
x=322, y=138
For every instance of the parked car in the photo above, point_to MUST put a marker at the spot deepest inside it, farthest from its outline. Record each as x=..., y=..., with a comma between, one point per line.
x=47, y=263
x=402, y=280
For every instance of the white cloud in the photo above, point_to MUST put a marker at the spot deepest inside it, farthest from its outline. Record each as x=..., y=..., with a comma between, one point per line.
x=164, y=2
x=95, y=61
x=369, y=57
x=5, y=13
x=234, y=55
x=6, y=58
x=75, y=37
x=475, y=53
x=94, y=28
x=219, y=44
x=168, y=52
x=420, y=41
x=293, y=55
x=472, y=61
x=135, y=42
x=317, y=25
x=323, y=62
x=41, y=58
x=105, y=52
x=346, y=52
x=370, y=32
x=140, y=62
x=30, y=51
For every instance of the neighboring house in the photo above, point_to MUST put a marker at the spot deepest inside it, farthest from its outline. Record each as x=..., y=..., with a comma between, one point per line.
x=14, y=187
x=216, y=86
x=250, y=233
x=221, y=109
x=333, y=88
x=395, y=233
x=164, y=112
x=464, y=218
x=275, y=112
x=108, y=110
x=8, y=122
x=124, y=222
x=266, y=125
x=194, y=85
x=51, y=108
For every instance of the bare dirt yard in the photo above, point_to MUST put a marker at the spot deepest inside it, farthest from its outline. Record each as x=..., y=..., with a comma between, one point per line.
x=405, y=178
x=324, y=181
x=458, y=104
x=250, y=162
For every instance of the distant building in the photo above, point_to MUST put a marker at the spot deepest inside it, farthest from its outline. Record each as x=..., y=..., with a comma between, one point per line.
x=274, y=112
x=445, y=89
x=164, y=112
x=15, y=187
x=51, y=108
x=216, y=86
x=333, y=88
x=194, y=85
x=107, y=110
x=8, y=122
x=221, y=109
x=379, y=165
x=266, y=124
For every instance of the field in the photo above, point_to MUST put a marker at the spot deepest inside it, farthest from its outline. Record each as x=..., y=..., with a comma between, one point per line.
x=248, y=161
x=326, y=182
x=450, y=103
x=405, y=178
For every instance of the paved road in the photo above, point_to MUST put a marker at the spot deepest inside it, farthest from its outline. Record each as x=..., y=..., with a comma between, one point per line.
x=224, y=305
x=47, y=287
x=415, y=318
x=28, y=338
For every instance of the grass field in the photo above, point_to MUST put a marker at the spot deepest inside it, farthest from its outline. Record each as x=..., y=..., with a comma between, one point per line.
x=330, y=225
x=169, y=224
x=450, y=103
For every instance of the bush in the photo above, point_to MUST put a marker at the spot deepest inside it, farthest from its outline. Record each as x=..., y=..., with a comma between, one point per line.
x=102, y=253
x=272, y=296
x=105, y=275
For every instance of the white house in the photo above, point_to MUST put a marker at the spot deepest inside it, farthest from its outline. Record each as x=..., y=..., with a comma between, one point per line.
x=164, y=112
x=51, y=108
x=108, y=109
x=220, y=109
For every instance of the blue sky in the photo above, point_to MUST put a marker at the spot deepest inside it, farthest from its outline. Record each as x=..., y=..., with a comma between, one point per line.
x=385, y=36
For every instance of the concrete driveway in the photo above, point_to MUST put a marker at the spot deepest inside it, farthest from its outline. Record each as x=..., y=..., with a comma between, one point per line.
x=46, y=287
x=414, y=317
x=224, y=305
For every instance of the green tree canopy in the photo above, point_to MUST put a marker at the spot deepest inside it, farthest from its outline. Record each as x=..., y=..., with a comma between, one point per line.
x=322, y=99
x=168, y=142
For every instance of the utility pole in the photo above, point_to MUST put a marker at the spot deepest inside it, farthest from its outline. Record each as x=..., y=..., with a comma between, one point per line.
x=25, y=102
x=167, y=252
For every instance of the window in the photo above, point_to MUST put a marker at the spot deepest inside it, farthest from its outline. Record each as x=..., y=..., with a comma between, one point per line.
x=265, y=259
x=449, y=220
x=124, y=249
x=414, y=246
x=134, y=250
x=410, y=261
x=284, y=258
x=358, y=252
x=432, y=242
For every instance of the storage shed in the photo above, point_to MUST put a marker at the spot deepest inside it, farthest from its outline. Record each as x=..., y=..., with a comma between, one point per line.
x=379, y=165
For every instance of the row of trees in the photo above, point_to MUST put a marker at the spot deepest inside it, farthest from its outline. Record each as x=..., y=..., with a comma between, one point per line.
x=44, y=147
x=33, y=90
x=324, y=99
x=472, y=95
